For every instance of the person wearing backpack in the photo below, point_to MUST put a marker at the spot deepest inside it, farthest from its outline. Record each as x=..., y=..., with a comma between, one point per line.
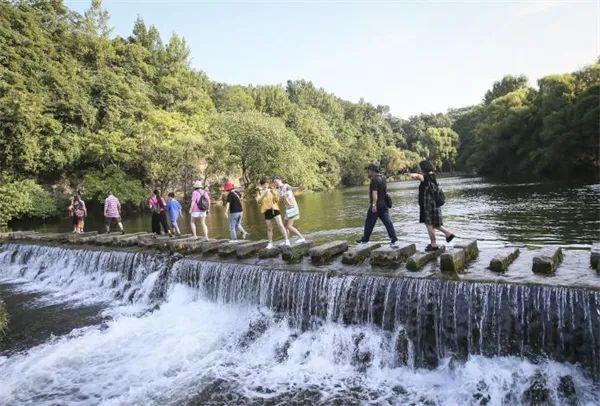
x=199, y=207
x=158, y=207
x=380, y=203
x=431, y=200
x=234, y=211
x=79, y=212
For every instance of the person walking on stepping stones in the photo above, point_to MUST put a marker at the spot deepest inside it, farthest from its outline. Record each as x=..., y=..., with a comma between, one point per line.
x=430, y=201
x=379, y=207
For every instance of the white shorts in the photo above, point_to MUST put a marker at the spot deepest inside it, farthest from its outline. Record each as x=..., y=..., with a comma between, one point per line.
x=199, y=214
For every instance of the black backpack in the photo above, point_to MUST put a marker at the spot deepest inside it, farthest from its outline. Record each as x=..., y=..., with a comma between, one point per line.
x=439, y=197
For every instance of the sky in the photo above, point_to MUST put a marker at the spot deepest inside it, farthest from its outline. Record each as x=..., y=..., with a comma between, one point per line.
x=414, y=56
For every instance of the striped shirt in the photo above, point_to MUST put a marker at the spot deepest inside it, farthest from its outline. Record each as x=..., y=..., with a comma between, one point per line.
x=111, y=207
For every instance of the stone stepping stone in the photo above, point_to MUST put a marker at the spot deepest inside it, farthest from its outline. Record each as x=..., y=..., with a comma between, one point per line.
x=125, y=240
x=359, y=253
x=595, y=257
x=104, y=239
x=471, y=249
x=230, y=247
x=453, y=261
x=547, y=261
x=151, y=240
x=74, y=238
x=249, y=249
x=387, y=256
x=20, y=235
x=176, y=242
x=500, y=263
x=191, y=246
x=211, y=246
x=295, y=252
x=269, y=253
x=50, y=237
x=325, y=252
x=420, y=259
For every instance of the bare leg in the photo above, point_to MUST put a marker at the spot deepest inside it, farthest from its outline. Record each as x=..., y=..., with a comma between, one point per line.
x=431, y=232
x=281, y=227
x=289, y=224
x=269, y=230
x=193, y=226
x=444, y=230
x=120, y=226
x=204, y=228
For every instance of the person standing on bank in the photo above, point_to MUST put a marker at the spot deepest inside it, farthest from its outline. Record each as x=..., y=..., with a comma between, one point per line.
x=199, y=208
x=158, y=207
x=112, y=213
x=292, y=212
x=268, y=199
x=429, y=211
x=234, y=211
x=380, y=204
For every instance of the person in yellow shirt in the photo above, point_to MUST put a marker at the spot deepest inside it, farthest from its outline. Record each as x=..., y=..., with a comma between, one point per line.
x=268, y=199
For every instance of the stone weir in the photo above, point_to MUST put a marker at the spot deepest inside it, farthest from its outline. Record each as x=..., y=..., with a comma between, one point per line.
x=431, y=318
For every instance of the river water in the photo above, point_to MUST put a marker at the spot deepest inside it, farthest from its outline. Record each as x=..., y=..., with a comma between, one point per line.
x=499, y=214
x=82, y=334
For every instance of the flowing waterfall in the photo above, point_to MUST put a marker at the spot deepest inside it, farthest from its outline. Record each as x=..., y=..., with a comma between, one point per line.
x=432, y=319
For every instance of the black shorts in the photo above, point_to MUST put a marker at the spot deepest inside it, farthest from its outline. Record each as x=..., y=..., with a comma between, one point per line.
x=271, y=214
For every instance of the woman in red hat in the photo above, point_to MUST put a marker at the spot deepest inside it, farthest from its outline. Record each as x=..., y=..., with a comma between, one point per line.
x=234, y=211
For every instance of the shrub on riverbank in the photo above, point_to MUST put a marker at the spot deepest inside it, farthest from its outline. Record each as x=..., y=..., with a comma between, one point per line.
x=26, y=198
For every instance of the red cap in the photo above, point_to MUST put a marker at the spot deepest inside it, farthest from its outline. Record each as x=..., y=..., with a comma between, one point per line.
x=228, y=186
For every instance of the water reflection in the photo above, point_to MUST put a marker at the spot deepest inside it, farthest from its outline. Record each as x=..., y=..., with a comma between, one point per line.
x=498, y=214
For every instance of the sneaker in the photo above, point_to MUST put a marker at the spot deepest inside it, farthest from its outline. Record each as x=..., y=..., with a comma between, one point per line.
x=287, y=243
x=431, y=248
x=245, y=235
x=395, y=244
x=122, y=232
x=300, y=240
x=450, y=237
x=360, y=241
x=232, y=240
x=270, y=246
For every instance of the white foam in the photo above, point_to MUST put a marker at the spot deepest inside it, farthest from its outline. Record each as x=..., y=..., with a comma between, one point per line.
x=166, y=356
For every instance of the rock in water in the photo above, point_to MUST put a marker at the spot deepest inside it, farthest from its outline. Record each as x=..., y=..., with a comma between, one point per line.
x=566, y=391
x=547, y=261
x=537, y=393
x=391, y=257
x=323, y=253
x=419, y=260
x=359, y=253
x=501, y=263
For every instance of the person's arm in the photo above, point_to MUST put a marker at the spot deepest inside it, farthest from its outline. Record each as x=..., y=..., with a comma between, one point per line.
x=374, y=199
x=416, y=176
x=84, y=209
x=119, y=208
x=105, y=208
x=261, y=196
x=227, y=209
x=297, y=188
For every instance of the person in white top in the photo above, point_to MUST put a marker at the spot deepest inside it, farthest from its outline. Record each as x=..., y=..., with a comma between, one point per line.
x=292, y=212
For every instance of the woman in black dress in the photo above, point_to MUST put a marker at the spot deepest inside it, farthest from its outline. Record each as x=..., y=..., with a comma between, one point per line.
x=429, y=212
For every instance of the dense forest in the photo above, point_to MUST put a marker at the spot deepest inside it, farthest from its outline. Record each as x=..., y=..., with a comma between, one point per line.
x=83, y=109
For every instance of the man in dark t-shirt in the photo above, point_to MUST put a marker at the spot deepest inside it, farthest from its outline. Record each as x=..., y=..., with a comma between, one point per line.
x=378, y=206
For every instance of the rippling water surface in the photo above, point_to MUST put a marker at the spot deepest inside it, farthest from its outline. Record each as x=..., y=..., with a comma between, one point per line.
x=500, y=214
